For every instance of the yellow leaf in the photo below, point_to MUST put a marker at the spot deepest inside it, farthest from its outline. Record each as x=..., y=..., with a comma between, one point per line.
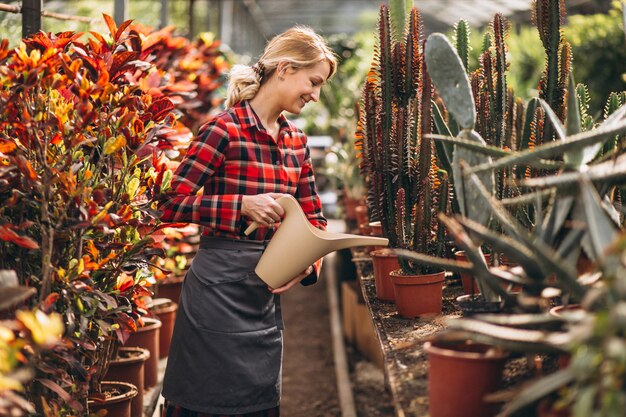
x=114, y=144
x=45, y=329
x=7, y=383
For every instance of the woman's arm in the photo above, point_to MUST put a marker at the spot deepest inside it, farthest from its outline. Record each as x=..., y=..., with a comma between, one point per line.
x=204, y=157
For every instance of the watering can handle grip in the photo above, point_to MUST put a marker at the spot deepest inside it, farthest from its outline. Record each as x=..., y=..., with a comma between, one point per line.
x=251, y=228
x=283, y=201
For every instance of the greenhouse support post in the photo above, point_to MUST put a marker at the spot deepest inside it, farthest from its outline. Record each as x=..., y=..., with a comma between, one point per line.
x=31, y=17
x=120, y=11
x=165, y=9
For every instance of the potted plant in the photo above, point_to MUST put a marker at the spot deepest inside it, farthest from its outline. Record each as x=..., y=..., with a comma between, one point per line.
x=81, y=163
x=406, y=190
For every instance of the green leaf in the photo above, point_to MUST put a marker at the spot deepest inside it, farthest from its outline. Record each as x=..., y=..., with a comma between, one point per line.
x=555, y=148
x=601, y=230
x=466, y=191
x=538, y=390
x=449, y=77
x=609, y=172
x=554, y=119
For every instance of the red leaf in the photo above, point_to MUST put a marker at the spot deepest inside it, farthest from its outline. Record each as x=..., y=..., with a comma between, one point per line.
x=65, y=396
x=7, y=234
x=121, y=30
x=160, y=108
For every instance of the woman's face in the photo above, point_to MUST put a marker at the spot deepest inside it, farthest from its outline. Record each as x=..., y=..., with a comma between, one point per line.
x=299, y=86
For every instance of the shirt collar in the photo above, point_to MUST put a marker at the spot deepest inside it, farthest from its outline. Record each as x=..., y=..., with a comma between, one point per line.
x=248, y=118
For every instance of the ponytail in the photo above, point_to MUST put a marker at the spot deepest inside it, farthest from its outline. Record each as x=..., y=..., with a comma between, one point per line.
x=244, y=84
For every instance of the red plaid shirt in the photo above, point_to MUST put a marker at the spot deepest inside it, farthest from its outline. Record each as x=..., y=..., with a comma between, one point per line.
x=233, y=156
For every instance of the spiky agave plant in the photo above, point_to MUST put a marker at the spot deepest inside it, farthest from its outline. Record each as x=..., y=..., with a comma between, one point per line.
x=406, y=189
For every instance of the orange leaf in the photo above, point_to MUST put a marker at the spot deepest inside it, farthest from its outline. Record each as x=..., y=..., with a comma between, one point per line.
x=7, y=146
x=121, y=29
x=110, y=23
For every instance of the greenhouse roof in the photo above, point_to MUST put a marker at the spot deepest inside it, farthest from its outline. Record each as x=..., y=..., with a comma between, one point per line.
x=345, y=16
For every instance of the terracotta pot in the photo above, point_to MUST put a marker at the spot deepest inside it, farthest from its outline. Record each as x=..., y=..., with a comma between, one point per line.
x=418, y=295
x=165, y=310
x=470, y=286
x=383, y=263
x=116, y=399
x=362, y=216
x=128, y=367
x=460, y=375
x=170, y=287
x=365, y=229
x=147, y=337
x=376, y=228
x=350, y=205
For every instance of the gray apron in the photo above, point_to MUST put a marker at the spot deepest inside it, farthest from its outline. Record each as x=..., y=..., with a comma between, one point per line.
x=226, y=350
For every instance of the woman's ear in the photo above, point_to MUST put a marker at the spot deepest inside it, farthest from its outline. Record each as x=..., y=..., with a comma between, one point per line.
x=281, y=69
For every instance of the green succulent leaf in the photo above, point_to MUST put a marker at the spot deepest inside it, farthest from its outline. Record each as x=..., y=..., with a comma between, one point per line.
x=601, y=230
x=471, y=206
x=538, y=390
x=554, y=119
x=555, y=148
x=448, y=74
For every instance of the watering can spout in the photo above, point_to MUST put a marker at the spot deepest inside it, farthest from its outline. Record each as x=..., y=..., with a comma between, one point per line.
x=297, y=244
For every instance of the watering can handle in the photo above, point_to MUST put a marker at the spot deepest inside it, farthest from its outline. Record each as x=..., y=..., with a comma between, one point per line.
x=284, y=203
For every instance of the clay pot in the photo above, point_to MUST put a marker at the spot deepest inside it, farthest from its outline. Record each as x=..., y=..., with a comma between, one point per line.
x=383, y=263
x=115, y=399
x=170, y=287
x=147, y=337
x=350, y=205
x=418, y=295
x=165, y=310
x=376, y=228
x=362, y=216
x=470, y=286
x=460, y=375
x=128, y=367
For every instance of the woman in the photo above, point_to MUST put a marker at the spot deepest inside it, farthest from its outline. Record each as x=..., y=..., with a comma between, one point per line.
x=226, y=351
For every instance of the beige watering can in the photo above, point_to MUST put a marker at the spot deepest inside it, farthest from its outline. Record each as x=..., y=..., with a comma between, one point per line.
x=296, y=245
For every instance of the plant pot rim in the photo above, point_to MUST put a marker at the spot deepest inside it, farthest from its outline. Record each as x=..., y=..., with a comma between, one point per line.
x=172, y=279
x=490, y=353
x=163, y=306
x=142, y=355
x=149, y=324
x=399, y=278
x=383, y=253
x=130, y=393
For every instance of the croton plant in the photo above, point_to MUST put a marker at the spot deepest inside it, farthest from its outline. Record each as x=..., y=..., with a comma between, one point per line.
x=81, y=162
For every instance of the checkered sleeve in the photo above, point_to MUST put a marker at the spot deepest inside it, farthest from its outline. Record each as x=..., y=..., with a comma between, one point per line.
x=203, y=158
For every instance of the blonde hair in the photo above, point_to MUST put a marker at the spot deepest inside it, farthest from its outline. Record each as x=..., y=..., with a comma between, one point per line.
x=300, y=46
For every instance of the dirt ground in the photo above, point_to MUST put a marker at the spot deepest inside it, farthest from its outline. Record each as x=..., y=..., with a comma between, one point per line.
x=309, y=382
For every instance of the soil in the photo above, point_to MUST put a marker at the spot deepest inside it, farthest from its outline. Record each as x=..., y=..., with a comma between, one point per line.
x=309, y=382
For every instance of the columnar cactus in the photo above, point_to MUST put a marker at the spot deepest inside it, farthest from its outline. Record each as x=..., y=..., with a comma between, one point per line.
x=404, y=187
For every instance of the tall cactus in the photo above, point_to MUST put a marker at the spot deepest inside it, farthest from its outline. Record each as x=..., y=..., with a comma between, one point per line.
x=404, y=182
x=548, y=16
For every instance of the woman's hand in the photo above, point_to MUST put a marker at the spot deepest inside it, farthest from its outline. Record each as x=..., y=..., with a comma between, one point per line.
x=293, y=281
x=262, y=208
